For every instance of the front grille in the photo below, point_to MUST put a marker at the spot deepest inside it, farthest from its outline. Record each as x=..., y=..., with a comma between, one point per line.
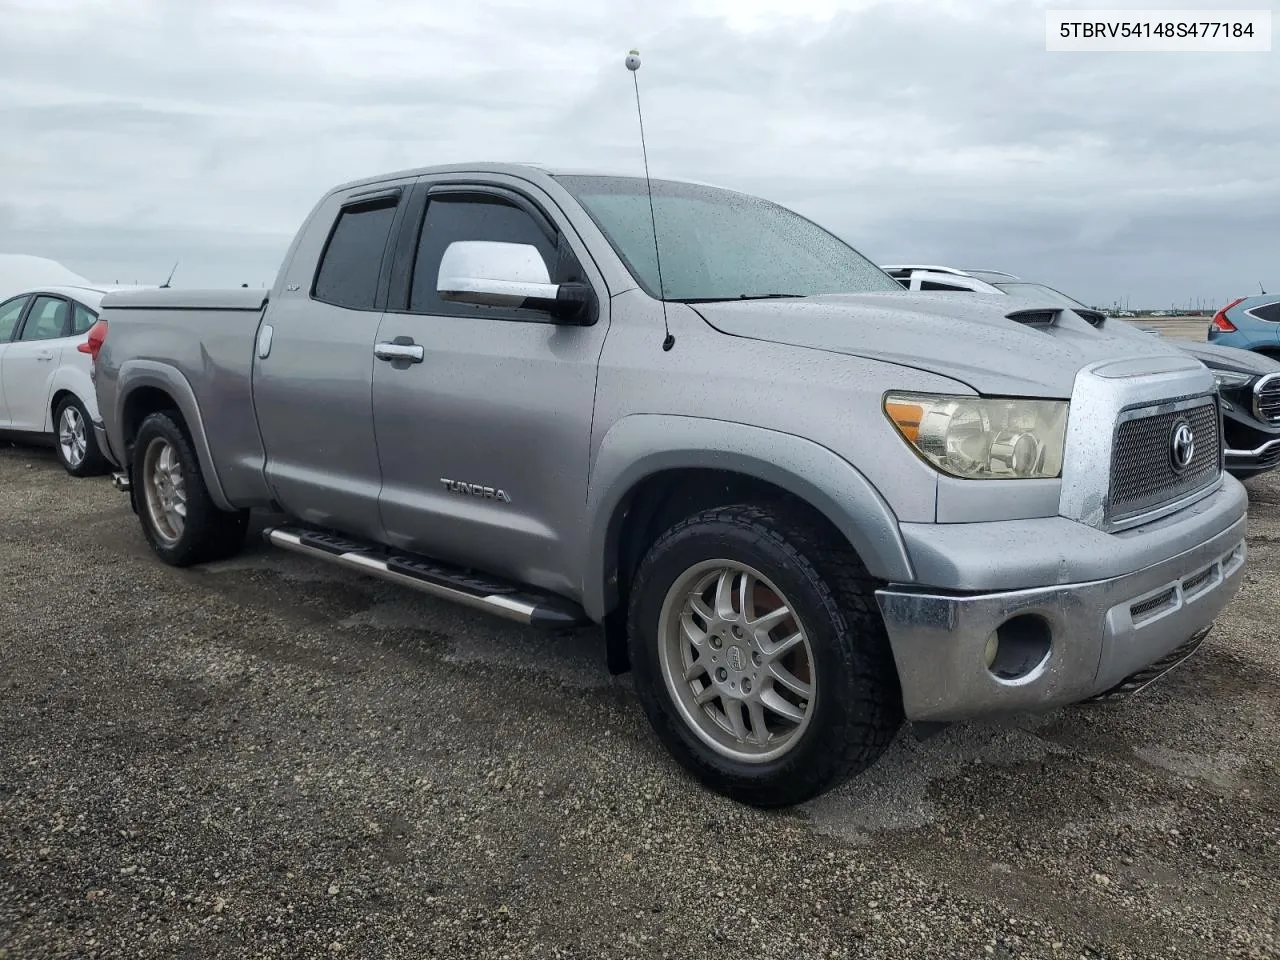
x=1266, y=399
x=1143, y=476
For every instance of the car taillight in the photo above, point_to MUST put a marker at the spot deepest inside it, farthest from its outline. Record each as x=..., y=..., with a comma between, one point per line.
x=93, y=343
x=1220, y=321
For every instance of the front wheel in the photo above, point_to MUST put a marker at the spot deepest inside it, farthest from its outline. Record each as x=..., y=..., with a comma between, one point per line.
x=179, y=518
x=760, y=656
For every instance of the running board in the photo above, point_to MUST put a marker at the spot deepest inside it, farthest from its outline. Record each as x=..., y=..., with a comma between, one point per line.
x=468, y=588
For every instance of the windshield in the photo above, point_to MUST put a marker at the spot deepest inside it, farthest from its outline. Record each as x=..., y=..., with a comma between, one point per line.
x=1038, y=291
x=721, y=245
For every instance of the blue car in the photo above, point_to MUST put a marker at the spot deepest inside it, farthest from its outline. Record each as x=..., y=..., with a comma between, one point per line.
x=1250, y=323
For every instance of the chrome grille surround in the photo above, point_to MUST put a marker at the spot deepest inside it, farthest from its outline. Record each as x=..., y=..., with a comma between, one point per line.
x=1266, y=398
x=1143, y=476
x=1105, y=395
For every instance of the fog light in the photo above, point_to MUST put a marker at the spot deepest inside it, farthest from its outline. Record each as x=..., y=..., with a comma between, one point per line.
x=1018, y=647
x=992, y=649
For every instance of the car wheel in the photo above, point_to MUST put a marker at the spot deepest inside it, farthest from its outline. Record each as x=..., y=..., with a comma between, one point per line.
x=760, y=656
x=74, y=442
x=179, y=518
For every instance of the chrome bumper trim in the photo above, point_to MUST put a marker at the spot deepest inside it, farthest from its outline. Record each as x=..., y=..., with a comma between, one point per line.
x=1255, y=452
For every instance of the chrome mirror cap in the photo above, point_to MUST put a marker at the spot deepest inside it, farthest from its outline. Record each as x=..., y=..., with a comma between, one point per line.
x=493, y=273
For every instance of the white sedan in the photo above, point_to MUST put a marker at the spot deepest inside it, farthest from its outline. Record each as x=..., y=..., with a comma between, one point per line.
x=46, y=394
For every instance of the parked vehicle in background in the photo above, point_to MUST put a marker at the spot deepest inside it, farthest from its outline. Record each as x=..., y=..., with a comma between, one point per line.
x=802, y=501
x=1249, y=383
x=46, y=394
x=1250, y=323
x=20, y=272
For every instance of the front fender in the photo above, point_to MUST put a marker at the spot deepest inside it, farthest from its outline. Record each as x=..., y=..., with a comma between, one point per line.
x=136, y=374
x=642, y=445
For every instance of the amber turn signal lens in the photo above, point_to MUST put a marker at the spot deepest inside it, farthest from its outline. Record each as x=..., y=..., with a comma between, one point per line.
x=906, y=417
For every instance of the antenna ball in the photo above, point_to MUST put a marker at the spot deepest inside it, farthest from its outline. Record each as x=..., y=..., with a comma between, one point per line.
x=633, y=60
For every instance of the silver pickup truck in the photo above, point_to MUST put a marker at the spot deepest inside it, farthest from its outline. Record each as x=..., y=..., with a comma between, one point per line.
x=803, y=503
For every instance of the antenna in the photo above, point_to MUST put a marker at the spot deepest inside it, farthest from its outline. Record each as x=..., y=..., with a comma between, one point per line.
x=633, y=64
x=1264, y=292
x=165, y=285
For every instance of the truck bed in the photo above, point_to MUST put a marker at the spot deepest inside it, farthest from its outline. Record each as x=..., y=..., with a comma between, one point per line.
x=208, y=337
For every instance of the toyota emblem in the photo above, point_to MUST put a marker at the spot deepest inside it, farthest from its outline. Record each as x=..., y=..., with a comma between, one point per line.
x=1182, y=445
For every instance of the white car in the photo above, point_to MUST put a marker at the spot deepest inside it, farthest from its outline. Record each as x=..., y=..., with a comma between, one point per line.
x=46, y=394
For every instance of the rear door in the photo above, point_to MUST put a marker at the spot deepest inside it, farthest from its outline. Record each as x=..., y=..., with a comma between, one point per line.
x=10, y=320
x=485, y=443
x=30, y=361
x=313, y=366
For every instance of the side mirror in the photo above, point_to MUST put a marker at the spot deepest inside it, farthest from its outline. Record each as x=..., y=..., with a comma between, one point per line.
x=494, y=274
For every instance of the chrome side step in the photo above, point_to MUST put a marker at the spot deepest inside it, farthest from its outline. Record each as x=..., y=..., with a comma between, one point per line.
x=429, y=576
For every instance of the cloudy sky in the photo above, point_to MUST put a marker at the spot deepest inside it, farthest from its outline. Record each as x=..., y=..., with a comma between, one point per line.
x=140, y=132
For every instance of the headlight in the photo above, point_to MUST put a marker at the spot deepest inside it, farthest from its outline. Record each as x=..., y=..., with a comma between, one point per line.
x=979, y=438
x=1230, y=378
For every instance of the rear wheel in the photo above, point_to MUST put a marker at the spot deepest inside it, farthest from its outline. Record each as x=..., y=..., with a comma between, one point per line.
x=74, y=441
x=760, y=656
x=179, y=518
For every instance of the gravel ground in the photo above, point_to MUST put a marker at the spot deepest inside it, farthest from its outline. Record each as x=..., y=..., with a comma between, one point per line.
x=270, y=758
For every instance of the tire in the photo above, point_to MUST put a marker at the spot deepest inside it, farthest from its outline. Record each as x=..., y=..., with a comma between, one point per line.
x=74, y=442
x=854, y=706
x=166, y=472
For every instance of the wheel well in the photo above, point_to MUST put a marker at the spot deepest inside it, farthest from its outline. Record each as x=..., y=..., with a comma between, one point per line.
x=139, y=405
x=658, y=502
x=56, y=402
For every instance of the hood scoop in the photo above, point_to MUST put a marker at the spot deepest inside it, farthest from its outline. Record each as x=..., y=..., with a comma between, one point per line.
x=1092, y=317
x=1034, y=318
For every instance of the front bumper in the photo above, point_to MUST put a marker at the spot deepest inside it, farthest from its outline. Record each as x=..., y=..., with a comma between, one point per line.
x=1069, y=641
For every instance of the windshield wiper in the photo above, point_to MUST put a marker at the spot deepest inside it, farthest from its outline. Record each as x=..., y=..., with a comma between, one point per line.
x=741, y=296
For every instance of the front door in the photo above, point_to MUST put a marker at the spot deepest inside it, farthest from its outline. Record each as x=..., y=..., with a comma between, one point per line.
x=313, y=369
x=485, y=443
x=30, y=361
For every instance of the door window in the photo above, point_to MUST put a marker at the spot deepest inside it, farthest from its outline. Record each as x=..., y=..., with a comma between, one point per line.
x=477, y=217
x=10, y=313
x=352, y=261
x=49, y=318
x=82, y=318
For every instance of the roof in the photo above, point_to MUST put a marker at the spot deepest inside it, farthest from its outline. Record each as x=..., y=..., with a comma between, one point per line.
x=521, y=170
x=89, y=295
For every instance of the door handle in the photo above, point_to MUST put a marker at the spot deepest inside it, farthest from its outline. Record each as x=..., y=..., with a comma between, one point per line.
x=401, y=348
x=264, y=341
x=44, y=355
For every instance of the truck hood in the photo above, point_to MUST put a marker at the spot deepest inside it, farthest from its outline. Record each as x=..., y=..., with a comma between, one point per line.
x=967, y=338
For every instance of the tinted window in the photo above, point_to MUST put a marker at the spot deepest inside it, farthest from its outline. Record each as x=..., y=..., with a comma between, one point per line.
x=348, y=274
x=82, y=318
x=451, y=219
x=10, y=313
x=49, y=318
x=1269, y=312
x=934, y=285
x=721, y=245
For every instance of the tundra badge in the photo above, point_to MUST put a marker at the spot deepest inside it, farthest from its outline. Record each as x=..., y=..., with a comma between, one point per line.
x=476, y=490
